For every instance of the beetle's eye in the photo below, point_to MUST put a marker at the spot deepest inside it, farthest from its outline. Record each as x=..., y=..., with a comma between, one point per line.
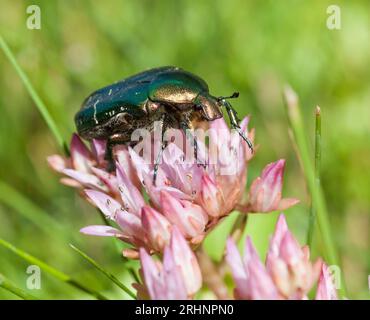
x=198, y=107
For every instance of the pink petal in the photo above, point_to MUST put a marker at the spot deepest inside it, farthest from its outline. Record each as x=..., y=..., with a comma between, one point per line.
x=325, y=288
x=250, y=253
x=130, y=253
x=107, y=178
x=71, y=183
x=286, y=203
x=260, y=284
x=86, y=179
x=139, y=164
x=190, y=218
x=98, y=149
x=131, y=197
x=281, y=229
x=211, y=197
x=157, y=228
x=80, y=155
x=272, y=177
x=152, y=276
x=280, y=273
x=57, y=162
x=219, y=124
x=163, y=282
x=105, y=203
x=124, y=159
x=176, y=288
x=103, y=231
x=254, y=192
x=131, y=228
x=154, y=192
x=235, y=262
x=265, y=191
x=290, y=249
x=186, y=261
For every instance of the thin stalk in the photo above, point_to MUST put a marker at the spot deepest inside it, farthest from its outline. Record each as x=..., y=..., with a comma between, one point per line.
x=50, y=270
x=103, y=271
x=35, y=97
x=212, y=276
x=299, y=135
x=239, y=226
x=313, y=209
x=8, y=285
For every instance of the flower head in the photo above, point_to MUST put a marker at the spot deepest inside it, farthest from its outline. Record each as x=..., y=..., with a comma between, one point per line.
x=265, y=191
x=325, y=288
x=85, y=168
x=288, y=273
x=178, y=277
x=252, y=280
x=187, y=195
x=289, y=264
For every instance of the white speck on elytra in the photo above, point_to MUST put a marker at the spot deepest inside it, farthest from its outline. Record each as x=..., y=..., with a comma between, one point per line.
x=95, y=119
x=110, y=92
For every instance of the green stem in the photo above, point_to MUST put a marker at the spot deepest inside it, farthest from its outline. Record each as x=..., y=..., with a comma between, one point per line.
x=50, y=270
x=32, y=92
x=8, y=285
x=318, y=199
x=103, y=271
x=313, y=209
x=239, y=226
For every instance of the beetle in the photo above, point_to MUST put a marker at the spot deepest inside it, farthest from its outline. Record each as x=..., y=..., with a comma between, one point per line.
x=171, y=95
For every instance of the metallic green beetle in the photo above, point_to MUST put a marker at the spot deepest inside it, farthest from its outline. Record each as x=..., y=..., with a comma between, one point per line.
x=176, y=97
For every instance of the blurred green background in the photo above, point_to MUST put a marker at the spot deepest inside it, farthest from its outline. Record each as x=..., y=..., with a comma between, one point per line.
x=254, y=47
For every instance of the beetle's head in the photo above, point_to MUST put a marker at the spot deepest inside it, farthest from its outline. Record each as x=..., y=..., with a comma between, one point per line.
x=211, y=109
x=209, y=106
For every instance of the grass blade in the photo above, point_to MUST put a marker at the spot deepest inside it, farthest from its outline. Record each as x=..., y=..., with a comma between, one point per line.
x=8, y=285
x=50, y=270
x=15, y=200
x=103, y=271
x=313, y=209
x=299, y=135
x=35, y=97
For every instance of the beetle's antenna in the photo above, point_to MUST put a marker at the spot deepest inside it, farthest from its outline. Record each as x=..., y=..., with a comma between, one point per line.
x=234, y=95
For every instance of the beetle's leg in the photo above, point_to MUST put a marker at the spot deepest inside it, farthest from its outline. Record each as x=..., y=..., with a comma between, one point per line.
x=157, y=161
x=111, y=142
x=109, y=155
x=235, y=123
x=186, y=129
x=193, y=138
x=160, y=153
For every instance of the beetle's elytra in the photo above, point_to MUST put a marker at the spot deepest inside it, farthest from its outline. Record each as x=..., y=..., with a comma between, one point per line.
x=171, y=95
